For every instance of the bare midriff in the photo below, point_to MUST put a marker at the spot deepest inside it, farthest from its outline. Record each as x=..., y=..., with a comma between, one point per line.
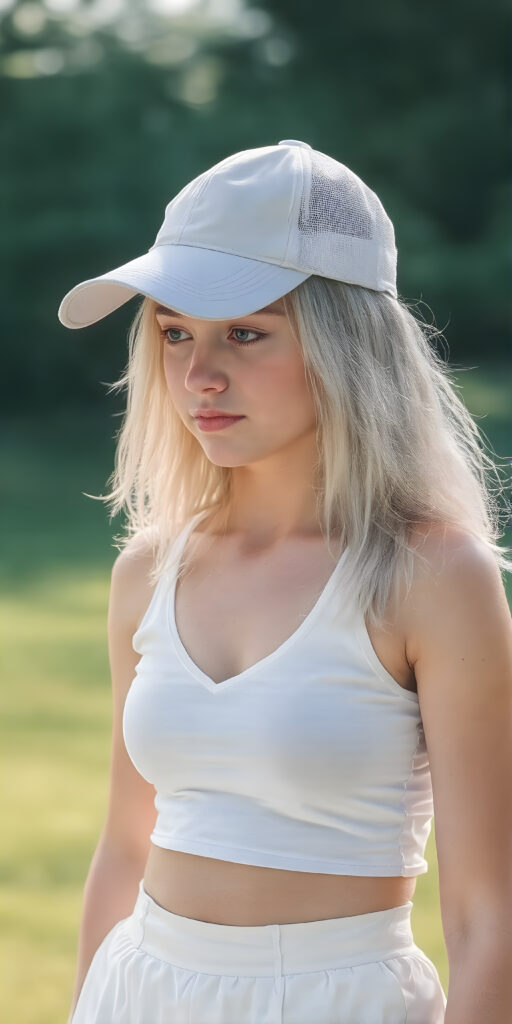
x=224, y=892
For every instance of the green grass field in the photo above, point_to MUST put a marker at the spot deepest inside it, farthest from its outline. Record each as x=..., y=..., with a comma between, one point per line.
x=57, y=700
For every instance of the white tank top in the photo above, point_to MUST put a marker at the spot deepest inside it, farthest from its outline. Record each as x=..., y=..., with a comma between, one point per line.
x=313, y=759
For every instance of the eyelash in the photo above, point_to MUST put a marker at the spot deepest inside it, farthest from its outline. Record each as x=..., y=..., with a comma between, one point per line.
x=259, y=334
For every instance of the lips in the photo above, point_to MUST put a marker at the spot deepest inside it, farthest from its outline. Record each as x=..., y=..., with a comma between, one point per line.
x=215, y=414
x=207, y=424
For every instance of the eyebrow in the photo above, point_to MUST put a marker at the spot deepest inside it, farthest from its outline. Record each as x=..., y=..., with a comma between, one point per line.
x=273, y=309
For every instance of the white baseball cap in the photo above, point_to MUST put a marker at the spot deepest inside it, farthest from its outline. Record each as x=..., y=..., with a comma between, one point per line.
x=247, y=231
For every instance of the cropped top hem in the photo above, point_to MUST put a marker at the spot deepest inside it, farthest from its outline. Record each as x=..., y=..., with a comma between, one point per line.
x=287, y=862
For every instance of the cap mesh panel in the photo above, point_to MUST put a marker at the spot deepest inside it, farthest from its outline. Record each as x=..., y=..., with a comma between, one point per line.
x=336, y=208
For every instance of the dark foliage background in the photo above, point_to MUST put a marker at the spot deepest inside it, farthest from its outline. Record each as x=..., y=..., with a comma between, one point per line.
x=105, y=116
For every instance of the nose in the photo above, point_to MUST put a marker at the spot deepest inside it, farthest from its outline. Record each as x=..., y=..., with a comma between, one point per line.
x=205, y=371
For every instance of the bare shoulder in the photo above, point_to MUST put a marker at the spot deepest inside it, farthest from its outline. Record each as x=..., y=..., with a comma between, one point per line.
x=444, y=550
x=131, y=582
x=452, y=567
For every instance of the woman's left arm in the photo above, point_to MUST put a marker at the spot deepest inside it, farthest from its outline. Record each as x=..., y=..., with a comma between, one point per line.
x=459, y=640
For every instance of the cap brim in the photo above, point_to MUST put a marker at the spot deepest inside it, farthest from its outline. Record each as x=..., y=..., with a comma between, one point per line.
x=198, y=282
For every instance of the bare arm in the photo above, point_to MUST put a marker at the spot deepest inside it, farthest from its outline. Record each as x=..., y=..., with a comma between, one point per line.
x=119, y=859
x=110, y=892
x=460, y=642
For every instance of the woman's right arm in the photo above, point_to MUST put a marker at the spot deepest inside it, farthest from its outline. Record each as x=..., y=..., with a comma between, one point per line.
x=120, y=856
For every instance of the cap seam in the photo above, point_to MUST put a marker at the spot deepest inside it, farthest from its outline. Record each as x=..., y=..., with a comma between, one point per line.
x=294, y=213
x=199, y=191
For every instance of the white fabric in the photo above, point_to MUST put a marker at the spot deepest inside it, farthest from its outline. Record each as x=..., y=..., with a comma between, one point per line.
x=313, y=759
x=247, y=231
x=156, y=967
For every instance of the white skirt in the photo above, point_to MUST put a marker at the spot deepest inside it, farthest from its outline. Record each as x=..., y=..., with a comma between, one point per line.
x=156, y=967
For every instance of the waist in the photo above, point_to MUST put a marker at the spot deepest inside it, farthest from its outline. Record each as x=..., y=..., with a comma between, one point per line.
x=263, y=950
x=226, y=893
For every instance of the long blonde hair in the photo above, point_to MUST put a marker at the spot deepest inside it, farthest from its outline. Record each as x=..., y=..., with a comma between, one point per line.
x=397, y=446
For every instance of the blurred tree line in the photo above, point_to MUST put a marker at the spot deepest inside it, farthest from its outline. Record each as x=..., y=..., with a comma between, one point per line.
x=109, y=107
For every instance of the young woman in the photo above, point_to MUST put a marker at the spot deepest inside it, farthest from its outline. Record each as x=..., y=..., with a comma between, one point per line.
x=310, y=643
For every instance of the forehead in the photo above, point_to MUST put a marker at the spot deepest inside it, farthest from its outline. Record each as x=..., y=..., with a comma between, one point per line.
x=275, y=308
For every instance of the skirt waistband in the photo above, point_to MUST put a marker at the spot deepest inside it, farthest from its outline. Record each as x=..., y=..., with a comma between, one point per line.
x=269, y=949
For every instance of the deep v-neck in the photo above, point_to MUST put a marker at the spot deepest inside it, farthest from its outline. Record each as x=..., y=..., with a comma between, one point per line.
x=298, y=633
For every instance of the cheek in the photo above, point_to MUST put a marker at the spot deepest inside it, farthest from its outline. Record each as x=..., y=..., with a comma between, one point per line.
x=285, y=388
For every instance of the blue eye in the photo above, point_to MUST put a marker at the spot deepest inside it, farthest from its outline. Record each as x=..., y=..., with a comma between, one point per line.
x=245, y=330
x=171, y=330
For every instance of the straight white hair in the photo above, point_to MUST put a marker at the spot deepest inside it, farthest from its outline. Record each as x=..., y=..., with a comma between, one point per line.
x=397, y=446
